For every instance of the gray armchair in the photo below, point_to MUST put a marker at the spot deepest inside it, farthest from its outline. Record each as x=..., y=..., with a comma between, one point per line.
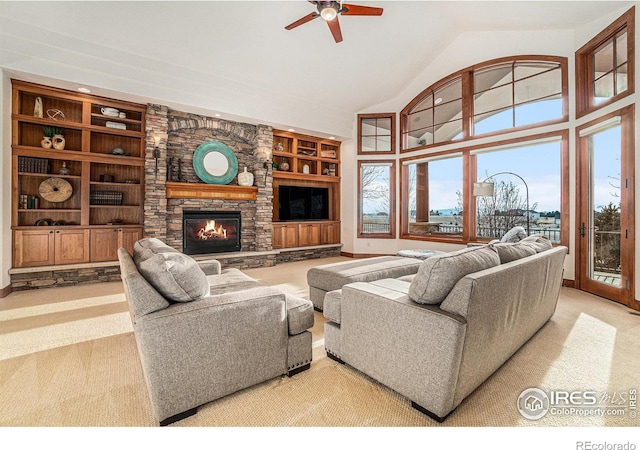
x=195, y=351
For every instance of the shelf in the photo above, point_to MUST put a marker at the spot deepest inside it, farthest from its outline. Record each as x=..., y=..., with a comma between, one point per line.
x=47, y=175
x=58, y=210
x=87, y=156
x=304, y=176
x=210, y=191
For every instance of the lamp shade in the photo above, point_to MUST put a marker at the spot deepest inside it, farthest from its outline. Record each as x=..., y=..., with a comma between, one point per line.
x=483, y=189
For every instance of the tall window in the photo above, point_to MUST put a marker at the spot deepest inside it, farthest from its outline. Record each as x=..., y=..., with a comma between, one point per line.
x=433, y=189
x=492, y=97
x=605, y=65
x=527, y=190
x=376, y=194
x=376, y=133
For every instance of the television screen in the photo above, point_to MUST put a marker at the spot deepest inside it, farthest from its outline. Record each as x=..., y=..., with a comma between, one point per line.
x=300, y=203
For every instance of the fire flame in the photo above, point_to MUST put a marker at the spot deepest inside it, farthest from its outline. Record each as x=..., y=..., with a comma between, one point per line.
x=210, y=231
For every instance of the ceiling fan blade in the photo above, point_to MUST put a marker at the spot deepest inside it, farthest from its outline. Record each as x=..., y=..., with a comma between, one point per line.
x=309, y=17
x=334, y=26
x=356, y=10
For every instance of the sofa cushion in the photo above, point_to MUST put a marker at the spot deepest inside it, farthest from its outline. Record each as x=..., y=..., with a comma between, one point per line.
x=539, y=242
x=439, y=274
x=515, y=234
x=510, y=251
x=175, y=275
x=147, y=247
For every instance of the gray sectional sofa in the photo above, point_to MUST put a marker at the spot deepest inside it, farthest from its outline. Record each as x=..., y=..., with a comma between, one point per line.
x=204, y=333
x=435, y=336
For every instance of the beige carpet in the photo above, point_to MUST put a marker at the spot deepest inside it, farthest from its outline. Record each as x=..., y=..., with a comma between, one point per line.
x=68, y=358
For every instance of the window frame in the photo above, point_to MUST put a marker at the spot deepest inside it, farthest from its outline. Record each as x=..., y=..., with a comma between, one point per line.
x=404, y=198
x=468, y=100
x=392, y=117
x=584, y=62
x=392, y=199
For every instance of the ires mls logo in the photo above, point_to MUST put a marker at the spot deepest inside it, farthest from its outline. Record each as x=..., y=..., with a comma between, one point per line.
x=534, y=403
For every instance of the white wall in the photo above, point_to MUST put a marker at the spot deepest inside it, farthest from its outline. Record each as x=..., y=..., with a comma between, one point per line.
x=475, y=47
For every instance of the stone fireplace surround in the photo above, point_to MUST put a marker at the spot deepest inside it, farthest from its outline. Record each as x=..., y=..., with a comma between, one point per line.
x=179, y=134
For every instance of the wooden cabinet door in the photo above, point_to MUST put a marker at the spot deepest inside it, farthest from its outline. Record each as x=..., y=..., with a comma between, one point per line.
x=71, y=246
x=104, y=244
x=285, y=235
x=331, y=233
x=33, y=248
x=308, y=234
x=128, y=237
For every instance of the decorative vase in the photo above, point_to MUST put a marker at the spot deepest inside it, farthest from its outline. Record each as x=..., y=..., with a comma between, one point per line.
x=64, y=170
x=58, y=142
x=284, y=166
x=46, y=142
x=245, y=178
x=37, y=108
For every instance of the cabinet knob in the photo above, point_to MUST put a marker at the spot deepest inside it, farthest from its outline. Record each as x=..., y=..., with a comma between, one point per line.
x=51, y=232
x=58, y=231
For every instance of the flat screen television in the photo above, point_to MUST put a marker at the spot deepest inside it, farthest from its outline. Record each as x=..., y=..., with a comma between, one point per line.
x=300, y=203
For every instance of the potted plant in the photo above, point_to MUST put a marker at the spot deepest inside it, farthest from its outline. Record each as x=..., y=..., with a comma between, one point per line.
x=58, y=139
x=47, y=136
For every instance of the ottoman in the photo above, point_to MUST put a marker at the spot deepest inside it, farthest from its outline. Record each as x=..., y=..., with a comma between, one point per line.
x=330, y=277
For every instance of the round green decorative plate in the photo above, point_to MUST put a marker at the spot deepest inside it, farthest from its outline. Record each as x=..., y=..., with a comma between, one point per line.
x=215, y=163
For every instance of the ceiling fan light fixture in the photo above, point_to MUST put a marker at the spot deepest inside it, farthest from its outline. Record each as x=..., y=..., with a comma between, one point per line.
x=328, y=13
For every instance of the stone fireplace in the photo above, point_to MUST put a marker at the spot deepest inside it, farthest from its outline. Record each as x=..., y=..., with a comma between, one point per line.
x=211, y=231
x=179, y=134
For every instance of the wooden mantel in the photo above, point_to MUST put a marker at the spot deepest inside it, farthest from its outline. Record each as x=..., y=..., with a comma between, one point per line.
x=210, y=191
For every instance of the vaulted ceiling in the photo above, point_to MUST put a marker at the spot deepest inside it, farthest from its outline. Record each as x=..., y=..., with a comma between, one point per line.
x=236, y=58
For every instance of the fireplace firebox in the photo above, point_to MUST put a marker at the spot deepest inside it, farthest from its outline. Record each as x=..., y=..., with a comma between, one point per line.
x=211, y=231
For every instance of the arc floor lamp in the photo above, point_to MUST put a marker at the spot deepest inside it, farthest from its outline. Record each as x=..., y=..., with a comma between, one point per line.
x=487, y=189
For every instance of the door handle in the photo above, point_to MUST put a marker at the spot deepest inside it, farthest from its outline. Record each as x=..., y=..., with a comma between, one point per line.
x=581, y=228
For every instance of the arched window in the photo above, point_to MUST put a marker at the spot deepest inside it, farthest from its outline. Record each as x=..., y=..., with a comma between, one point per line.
x=492, y=97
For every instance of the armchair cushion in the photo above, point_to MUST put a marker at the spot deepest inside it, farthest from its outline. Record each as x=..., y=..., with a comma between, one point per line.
x=439, y=274
x=176, y=276
x=299, y=314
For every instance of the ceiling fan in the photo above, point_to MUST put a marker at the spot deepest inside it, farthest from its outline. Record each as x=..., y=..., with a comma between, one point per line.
x=330, y=10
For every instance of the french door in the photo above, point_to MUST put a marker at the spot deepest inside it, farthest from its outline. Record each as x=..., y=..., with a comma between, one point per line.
x=605, y=198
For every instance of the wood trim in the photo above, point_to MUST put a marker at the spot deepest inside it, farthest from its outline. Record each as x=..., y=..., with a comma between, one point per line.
x=5, y=291
x=391, y=116
x=210, y=191
x=392, y=200
x=568, y=283
x=363, y=255
x=584, y=63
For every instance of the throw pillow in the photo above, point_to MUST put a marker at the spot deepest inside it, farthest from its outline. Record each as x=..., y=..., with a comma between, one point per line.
x=147, y=247
x=539, y=242
x=439, y=274
x=509, y=251
x=514, y=235
x=176, y=276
